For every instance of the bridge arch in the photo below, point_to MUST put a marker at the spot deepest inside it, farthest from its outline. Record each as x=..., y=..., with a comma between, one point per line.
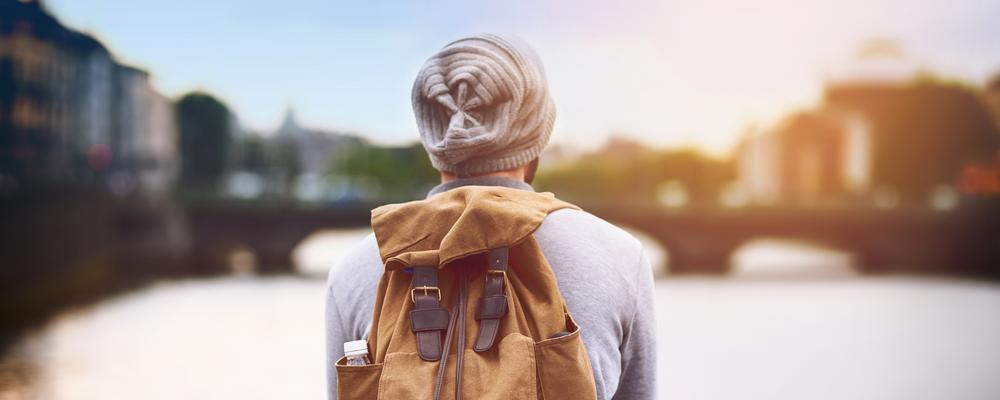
x=705, y=241
x=321, y=249
x=786, y=256
x=271, y=233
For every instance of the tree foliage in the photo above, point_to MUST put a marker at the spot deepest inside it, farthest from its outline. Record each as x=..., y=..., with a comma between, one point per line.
x=391, y=173
x=629, y=172
x=204, y=129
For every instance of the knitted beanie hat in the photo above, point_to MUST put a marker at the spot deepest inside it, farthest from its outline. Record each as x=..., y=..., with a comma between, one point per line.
x=482, y=105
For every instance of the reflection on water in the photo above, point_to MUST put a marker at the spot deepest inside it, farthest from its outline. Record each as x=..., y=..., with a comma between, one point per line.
x=245, y=337
x=781, y=258
x=876, y=338
x=231, y=338
x=323, y=249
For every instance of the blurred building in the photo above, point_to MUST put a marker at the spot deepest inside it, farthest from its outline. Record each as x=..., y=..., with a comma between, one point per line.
x=316, y=148
x=877, y=61
x=992, y=95
x=70, y=112
x=820, y=157
x=885, y=135
x=294, y=160
x=145, y=131
x=923, y=134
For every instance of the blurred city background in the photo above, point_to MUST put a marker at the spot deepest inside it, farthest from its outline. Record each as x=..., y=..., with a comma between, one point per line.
x=817, y=185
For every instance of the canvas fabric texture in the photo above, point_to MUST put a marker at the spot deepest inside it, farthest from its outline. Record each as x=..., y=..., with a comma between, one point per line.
x=453, y=231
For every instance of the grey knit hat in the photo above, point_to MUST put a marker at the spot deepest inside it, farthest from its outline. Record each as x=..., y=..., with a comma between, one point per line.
x=482, y=105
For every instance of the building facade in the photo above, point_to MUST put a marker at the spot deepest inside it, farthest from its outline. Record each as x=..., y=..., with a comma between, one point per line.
x=813, y=158
x=70, y=113
x=992, y=95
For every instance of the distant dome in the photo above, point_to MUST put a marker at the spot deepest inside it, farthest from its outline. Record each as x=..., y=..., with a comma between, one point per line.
x=878, y=61
x=290, y=126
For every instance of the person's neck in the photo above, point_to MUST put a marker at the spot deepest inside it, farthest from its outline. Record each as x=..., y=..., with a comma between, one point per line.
x=516, y=174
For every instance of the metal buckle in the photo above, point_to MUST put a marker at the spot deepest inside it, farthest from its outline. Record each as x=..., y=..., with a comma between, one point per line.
x=426, y=289
x=497, y=272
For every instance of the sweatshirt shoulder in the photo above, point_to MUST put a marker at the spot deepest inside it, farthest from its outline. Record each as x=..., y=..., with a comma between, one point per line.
x=358, y=267
x=578, y=228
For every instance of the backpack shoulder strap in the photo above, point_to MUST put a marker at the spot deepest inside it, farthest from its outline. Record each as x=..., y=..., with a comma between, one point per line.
x=493, y=305
x=427, y=319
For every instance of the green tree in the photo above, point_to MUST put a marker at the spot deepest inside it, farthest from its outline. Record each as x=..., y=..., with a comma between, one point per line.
x=627, y=171
x=203, y=123
x=398, y=173
x=252, y=156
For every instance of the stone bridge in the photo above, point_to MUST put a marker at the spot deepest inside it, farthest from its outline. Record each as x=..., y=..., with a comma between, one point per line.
x=961, y=241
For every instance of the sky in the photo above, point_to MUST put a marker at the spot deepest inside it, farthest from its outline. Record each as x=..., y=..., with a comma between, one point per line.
x=668, y=73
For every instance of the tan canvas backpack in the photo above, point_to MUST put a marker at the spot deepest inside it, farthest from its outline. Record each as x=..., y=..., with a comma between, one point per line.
x=467, y=306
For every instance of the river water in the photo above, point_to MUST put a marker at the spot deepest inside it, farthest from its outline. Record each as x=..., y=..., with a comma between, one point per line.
x=792, y=322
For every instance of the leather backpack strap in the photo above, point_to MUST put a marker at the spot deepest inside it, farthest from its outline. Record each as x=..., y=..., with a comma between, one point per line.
x=493, y=305
x=427, y=319
x=443, y=364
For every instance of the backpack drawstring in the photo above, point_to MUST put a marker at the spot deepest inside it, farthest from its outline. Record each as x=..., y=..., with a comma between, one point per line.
x=463, y=300
x=458, y=311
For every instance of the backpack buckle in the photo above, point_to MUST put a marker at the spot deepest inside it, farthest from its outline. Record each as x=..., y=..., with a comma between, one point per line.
x=492, y=271
x=425, y=289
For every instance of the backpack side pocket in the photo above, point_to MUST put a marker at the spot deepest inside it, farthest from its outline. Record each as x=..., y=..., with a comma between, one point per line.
x=563, y=366
x=357, y=381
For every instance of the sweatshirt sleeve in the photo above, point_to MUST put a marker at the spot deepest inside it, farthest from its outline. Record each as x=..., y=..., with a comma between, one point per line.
x=638, y=379
x=350, y=299
x=335, y=338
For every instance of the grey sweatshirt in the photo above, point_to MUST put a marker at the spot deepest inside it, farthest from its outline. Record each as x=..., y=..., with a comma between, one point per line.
x=601, y=271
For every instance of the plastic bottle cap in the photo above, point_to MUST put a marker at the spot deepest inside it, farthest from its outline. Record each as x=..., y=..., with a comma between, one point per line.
x=355, y=347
